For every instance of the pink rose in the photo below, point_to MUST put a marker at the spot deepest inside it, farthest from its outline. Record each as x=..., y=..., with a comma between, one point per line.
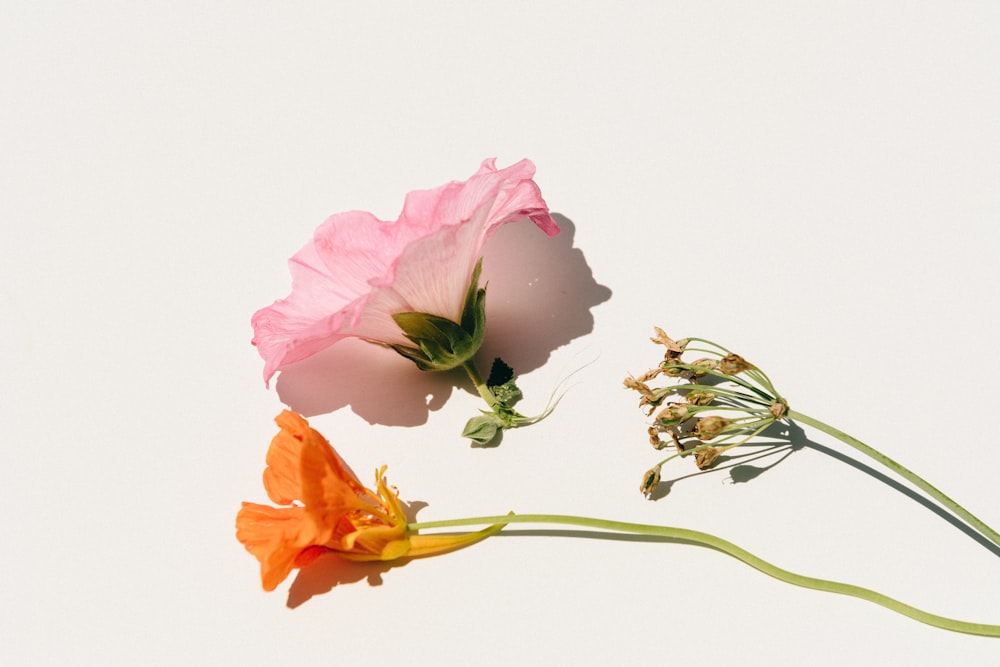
x=359, y=271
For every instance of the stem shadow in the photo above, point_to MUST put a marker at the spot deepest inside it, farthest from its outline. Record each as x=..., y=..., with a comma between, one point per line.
x=789, y=438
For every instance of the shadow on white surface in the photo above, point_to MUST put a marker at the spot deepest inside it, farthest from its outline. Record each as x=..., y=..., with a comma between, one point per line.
x=780, y=441
x=329, y=571
x=540, y=292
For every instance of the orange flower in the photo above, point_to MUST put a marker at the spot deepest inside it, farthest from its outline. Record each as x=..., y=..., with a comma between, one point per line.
x=327, y=510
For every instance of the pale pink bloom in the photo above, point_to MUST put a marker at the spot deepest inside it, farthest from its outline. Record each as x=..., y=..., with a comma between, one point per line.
x=359, y=270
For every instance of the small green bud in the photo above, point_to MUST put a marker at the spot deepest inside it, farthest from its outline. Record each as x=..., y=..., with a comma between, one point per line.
x=482, y=429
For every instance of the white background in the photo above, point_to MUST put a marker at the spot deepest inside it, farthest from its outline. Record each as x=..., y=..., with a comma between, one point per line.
x=814, y=184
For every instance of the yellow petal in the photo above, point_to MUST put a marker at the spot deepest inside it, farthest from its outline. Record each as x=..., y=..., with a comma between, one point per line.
x=430, y=545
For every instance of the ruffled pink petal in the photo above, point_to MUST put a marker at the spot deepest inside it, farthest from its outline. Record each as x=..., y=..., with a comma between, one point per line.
x=358, y=270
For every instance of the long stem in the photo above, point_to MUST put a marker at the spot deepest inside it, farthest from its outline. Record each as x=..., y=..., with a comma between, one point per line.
x=711, y=541
x=477, y=379
x=902, y=471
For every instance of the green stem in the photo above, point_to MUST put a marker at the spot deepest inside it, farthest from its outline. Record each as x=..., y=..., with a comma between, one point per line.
x=477, y=379
x=900, y=470
x=713, y=542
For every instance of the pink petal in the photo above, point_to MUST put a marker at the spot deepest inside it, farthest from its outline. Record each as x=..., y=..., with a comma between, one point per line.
x=359, y=270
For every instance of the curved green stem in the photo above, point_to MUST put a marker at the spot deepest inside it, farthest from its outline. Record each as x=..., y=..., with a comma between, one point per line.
x=477, y=379
x=713, y=542
x=902, y=471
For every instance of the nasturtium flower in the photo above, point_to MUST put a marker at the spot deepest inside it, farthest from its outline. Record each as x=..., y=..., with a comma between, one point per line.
x=359, y=274
x=326, y=509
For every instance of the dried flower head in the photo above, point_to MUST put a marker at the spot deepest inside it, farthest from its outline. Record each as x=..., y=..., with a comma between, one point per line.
x=694, y=408
x=673, y=414
x=700, y=397
x=674, y=348
x=733, y=364
x=700, y=367
x=704, y=458
x=710, y=427
x=650, y=480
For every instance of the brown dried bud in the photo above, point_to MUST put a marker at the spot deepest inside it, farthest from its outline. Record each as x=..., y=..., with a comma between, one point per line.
x=674, y=349
x=700, y=397
x=654, y=438
x=732, y=364
x=779, y=409
x=650, y=374
x=650, y=480
x=673, y=414
x=704, y=458
x=677, y=442
x=671, y=370
x=641, y=387
x=709, y=427
x=702, y=366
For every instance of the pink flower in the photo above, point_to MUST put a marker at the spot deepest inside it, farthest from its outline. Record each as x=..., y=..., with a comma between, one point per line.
x=358, y=271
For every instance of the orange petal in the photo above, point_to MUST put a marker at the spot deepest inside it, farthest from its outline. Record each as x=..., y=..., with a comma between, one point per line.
x=274, y=537
x=282, y=477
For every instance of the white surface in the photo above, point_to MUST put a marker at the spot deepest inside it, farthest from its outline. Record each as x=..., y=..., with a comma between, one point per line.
x=814, y=184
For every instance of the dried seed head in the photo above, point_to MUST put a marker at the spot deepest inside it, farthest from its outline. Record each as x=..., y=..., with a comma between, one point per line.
x=650, y=480
x=674, y=348
x=700, y=397
x=650, y=374
x=709, y=427
x=671, y=369
x=701, y=366
x=732, y=364
x=704, y=458
x=654, y=438
x=639, y=386
x=673, y=414
x=677, y=442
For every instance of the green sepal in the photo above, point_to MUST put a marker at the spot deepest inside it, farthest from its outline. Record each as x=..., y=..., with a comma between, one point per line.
x=440, y=343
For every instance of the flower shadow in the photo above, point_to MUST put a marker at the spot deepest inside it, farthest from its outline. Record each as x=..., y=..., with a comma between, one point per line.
x=539, y=296
x=329, y=571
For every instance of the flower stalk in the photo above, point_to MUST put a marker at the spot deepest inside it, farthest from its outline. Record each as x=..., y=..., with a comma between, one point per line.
x=699, y=538
x=903, y=472
x=323, y=509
